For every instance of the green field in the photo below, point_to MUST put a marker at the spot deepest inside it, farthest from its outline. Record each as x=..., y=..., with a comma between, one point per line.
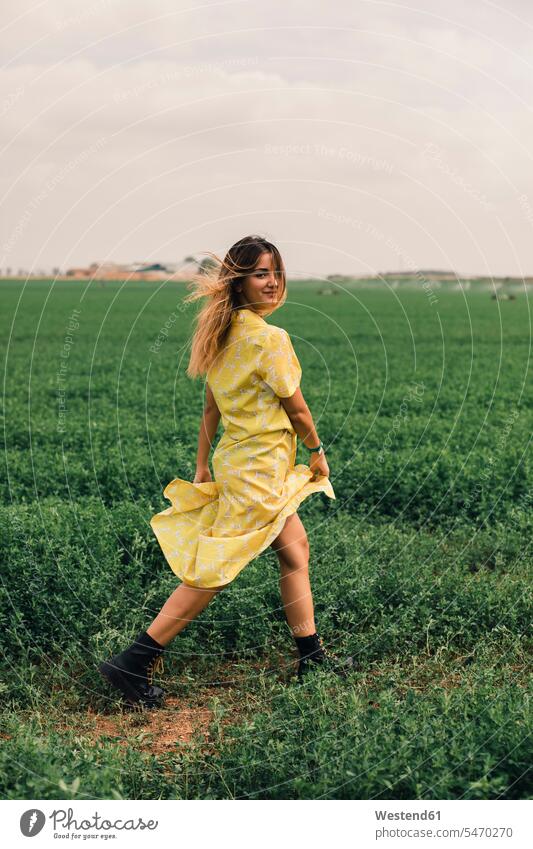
x=421, y=567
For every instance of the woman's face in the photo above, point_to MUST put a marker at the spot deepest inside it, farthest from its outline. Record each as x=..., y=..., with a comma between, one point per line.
x=259, y=291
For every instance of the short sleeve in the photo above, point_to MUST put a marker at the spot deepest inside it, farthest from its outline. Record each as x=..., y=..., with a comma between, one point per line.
x=278, y=364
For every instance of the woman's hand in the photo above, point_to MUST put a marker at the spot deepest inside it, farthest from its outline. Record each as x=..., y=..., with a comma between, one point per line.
x=318, y=464
x=203, y=475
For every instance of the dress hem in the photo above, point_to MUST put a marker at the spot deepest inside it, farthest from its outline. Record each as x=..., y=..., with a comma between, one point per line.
x=289, y=510
x=320, y=484
x=186, y=496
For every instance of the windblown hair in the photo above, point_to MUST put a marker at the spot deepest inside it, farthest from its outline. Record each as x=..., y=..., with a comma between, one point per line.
x=216, y=283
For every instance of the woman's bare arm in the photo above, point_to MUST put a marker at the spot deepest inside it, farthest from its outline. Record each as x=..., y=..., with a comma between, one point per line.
x=302, y=422
x=301, y=418
x=208, y=429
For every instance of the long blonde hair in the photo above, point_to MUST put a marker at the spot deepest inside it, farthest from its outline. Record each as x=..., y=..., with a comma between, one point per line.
x=216, y=283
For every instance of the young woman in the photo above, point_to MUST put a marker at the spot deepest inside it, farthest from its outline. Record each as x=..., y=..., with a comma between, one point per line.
x=214, y=528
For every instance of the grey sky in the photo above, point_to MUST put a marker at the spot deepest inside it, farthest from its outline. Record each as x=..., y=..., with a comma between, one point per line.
x=359, y=136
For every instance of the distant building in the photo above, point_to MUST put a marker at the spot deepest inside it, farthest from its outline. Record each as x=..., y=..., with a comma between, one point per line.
x=133, y=271
x=426, y=273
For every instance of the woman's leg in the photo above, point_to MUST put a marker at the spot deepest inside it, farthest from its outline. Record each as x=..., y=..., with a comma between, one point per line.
x=180, y=608
x=292, y=549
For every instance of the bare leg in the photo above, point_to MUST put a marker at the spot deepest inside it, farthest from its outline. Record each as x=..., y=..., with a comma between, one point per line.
x=180, y=608
x=292, y=549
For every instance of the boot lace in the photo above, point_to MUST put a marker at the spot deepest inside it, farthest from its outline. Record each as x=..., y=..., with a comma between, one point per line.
x=156, y=665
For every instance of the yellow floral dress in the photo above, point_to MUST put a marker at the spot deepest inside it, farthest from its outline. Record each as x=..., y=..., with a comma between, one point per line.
x=213, y=529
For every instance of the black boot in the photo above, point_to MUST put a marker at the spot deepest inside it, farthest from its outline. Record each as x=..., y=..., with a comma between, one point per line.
x=313, y=656
x=132, y=672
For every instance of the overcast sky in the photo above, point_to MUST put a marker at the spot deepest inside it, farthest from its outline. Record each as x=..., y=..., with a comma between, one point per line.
x=358, y=136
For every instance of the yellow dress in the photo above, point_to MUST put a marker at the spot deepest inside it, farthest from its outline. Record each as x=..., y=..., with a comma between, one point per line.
x=213, y=529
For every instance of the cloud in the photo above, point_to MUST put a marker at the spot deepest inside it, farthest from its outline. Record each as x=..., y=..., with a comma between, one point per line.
x=135, y=131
